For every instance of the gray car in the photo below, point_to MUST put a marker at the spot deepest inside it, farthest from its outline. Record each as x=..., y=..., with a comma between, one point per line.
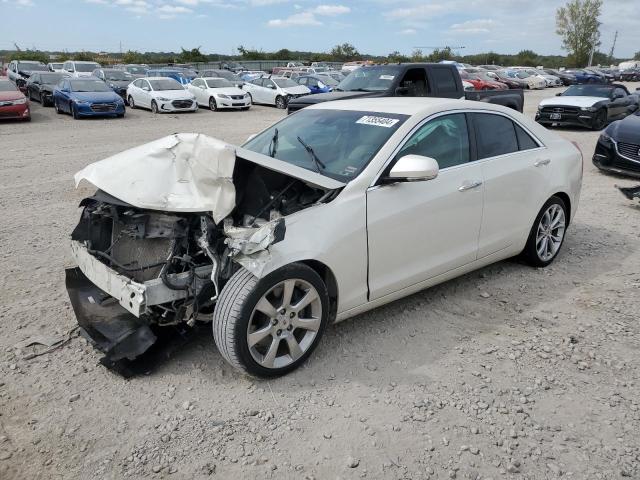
x=118, y=80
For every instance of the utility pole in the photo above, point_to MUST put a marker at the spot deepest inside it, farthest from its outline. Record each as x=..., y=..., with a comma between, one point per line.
x=615, y=37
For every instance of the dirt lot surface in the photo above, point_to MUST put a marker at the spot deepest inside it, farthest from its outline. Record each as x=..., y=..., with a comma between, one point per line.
x=508, y=372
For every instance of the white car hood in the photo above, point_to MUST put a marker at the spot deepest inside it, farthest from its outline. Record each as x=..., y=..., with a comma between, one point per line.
x=299, y=90
x=173, y=94
x=184, y=172
x=572, y=101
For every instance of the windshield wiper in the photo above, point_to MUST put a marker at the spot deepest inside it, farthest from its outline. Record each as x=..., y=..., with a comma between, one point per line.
x=273, y=145
x=314, y=157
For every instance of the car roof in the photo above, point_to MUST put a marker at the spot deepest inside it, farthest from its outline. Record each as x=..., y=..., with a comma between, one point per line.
x=407, y=105
x=82, y=61
x=82, y=79
x=160, y=78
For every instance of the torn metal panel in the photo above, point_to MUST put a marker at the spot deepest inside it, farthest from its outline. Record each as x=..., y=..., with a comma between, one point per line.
x=249, y=245
x=630, y=192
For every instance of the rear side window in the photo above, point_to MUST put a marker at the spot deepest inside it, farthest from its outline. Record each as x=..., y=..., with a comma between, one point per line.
x=495, y=135
x=445, y=81
x=525, y=142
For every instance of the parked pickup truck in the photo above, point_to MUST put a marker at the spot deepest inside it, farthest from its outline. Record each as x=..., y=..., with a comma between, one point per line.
x=408, y=80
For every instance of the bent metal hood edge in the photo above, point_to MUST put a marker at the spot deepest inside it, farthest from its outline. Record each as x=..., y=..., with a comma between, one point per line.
x=184, y=172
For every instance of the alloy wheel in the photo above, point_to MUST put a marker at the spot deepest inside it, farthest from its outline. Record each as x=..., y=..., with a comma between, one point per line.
x=284, y=323
x=154, y=106
x=281, y=103
x=550, y=232
x=212, y=104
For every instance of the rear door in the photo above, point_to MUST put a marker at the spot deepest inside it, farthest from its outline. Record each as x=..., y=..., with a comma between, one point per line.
x=619, y=107
x=515, y=167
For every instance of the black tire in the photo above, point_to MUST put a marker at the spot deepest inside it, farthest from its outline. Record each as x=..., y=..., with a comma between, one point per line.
x=154, y=106
x=30, y=94
x=600, y=120
x=57, y=108
x=131, y=103
x=213, y=106
x=530, y=252
x=74, y=111
x=250, y=98
x=281, y=102
x=245, y=108
x=234, y=308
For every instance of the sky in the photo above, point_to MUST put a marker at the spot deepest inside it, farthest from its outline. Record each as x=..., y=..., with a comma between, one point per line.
x=373, y=26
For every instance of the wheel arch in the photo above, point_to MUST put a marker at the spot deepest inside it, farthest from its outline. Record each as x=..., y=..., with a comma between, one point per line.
x=567, y=201
x=329, y=279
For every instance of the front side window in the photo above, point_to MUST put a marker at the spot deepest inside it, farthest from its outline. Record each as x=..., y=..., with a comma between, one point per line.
x=446, y=139
x=495, y=135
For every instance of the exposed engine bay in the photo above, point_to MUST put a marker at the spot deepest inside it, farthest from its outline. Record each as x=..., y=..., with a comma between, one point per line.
x=141, y=268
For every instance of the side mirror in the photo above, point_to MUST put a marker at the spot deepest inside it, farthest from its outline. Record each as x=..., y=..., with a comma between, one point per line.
x=558, y=94
x=252, y=136
x=412, y=168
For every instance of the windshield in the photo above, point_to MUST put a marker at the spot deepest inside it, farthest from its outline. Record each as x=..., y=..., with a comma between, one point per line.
x=369, y=79
x=522, y=75
x=218, y=83
x=88, y=86
x=222, y=74
x=51, y=78
x=32, y=67
x=588, y=91
x=57, y=66
x=6, y=86
x=284, y=82
x=344, y=141
x=116, y=75
x=136, y=70
x=166, y=84
x=86, y=67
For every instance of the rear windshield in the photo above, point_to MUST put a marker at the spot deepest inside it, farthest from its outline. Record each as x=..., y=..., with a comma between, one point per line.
x=86, y=67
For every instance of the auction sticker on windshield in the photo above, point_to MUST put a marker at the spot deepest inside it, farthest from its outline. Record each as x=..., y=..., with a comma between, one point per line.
x=378, y=121
x=386, y=77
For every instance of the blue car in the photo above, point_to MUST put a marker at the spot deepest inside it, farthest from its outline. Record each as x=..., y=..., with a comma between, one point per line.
x=87, y=97
x=317, y=83
x=176, y=74
x=585, y=76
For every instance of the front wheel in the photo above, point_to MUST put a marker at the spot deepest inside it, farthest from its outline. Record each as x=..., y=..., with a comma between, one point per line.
x=154, y=106
x=600, y=120
x=56, y=107
x=547, y=233
x=74, y=111
x=281, y=102
x=268, y=327
x=213, y=106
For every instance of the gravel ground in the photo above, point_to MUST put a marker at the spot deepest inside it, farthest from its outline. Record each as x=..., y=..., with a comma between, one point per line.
x=507, y=372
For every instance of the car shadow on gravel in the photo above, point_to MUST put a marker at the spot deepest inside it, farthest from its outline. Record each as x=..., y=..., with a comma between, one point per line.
x=405, y=336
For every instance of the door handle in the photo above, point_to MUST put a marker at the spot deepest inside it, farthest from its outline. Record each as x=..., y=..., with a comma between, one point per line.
x=542, y=163
x=469, y=186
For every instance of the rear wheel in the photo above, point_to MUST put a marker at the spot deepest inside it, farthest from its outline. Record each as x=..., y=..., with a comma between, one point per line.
x=547, y=233
x=213, y=106
x=268, y=327
x=154, y=106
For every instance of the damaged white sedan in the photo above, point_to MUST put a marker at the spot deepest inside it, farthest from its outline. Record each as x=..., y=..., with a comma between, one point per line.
x=337, y=209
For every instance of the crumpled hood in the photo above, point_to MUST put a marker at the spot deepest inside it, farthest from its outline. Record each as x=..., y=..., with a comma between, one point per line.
x=299, y=90
x=572, y=101
x=184, y=172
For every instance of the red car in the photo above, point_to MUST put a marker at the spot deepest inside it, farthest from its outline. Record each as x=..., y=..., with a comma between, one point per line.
x=13, y=103
x=480, y=82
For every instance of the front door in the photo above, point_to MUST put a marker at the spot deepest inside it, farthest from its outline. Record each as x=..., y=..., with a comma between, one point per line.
x=418, y=230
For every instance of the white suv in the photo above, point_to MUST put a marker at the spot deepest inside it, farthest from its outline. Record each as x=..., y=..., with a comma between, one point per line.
x=80, y=69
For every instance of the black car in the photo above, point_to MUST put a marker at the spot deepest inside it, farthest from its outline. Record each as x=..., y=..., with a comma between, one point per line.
x=588, y=105
x=118, y=80
x=567, y=78
x=40, y=86
x=618, y=148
